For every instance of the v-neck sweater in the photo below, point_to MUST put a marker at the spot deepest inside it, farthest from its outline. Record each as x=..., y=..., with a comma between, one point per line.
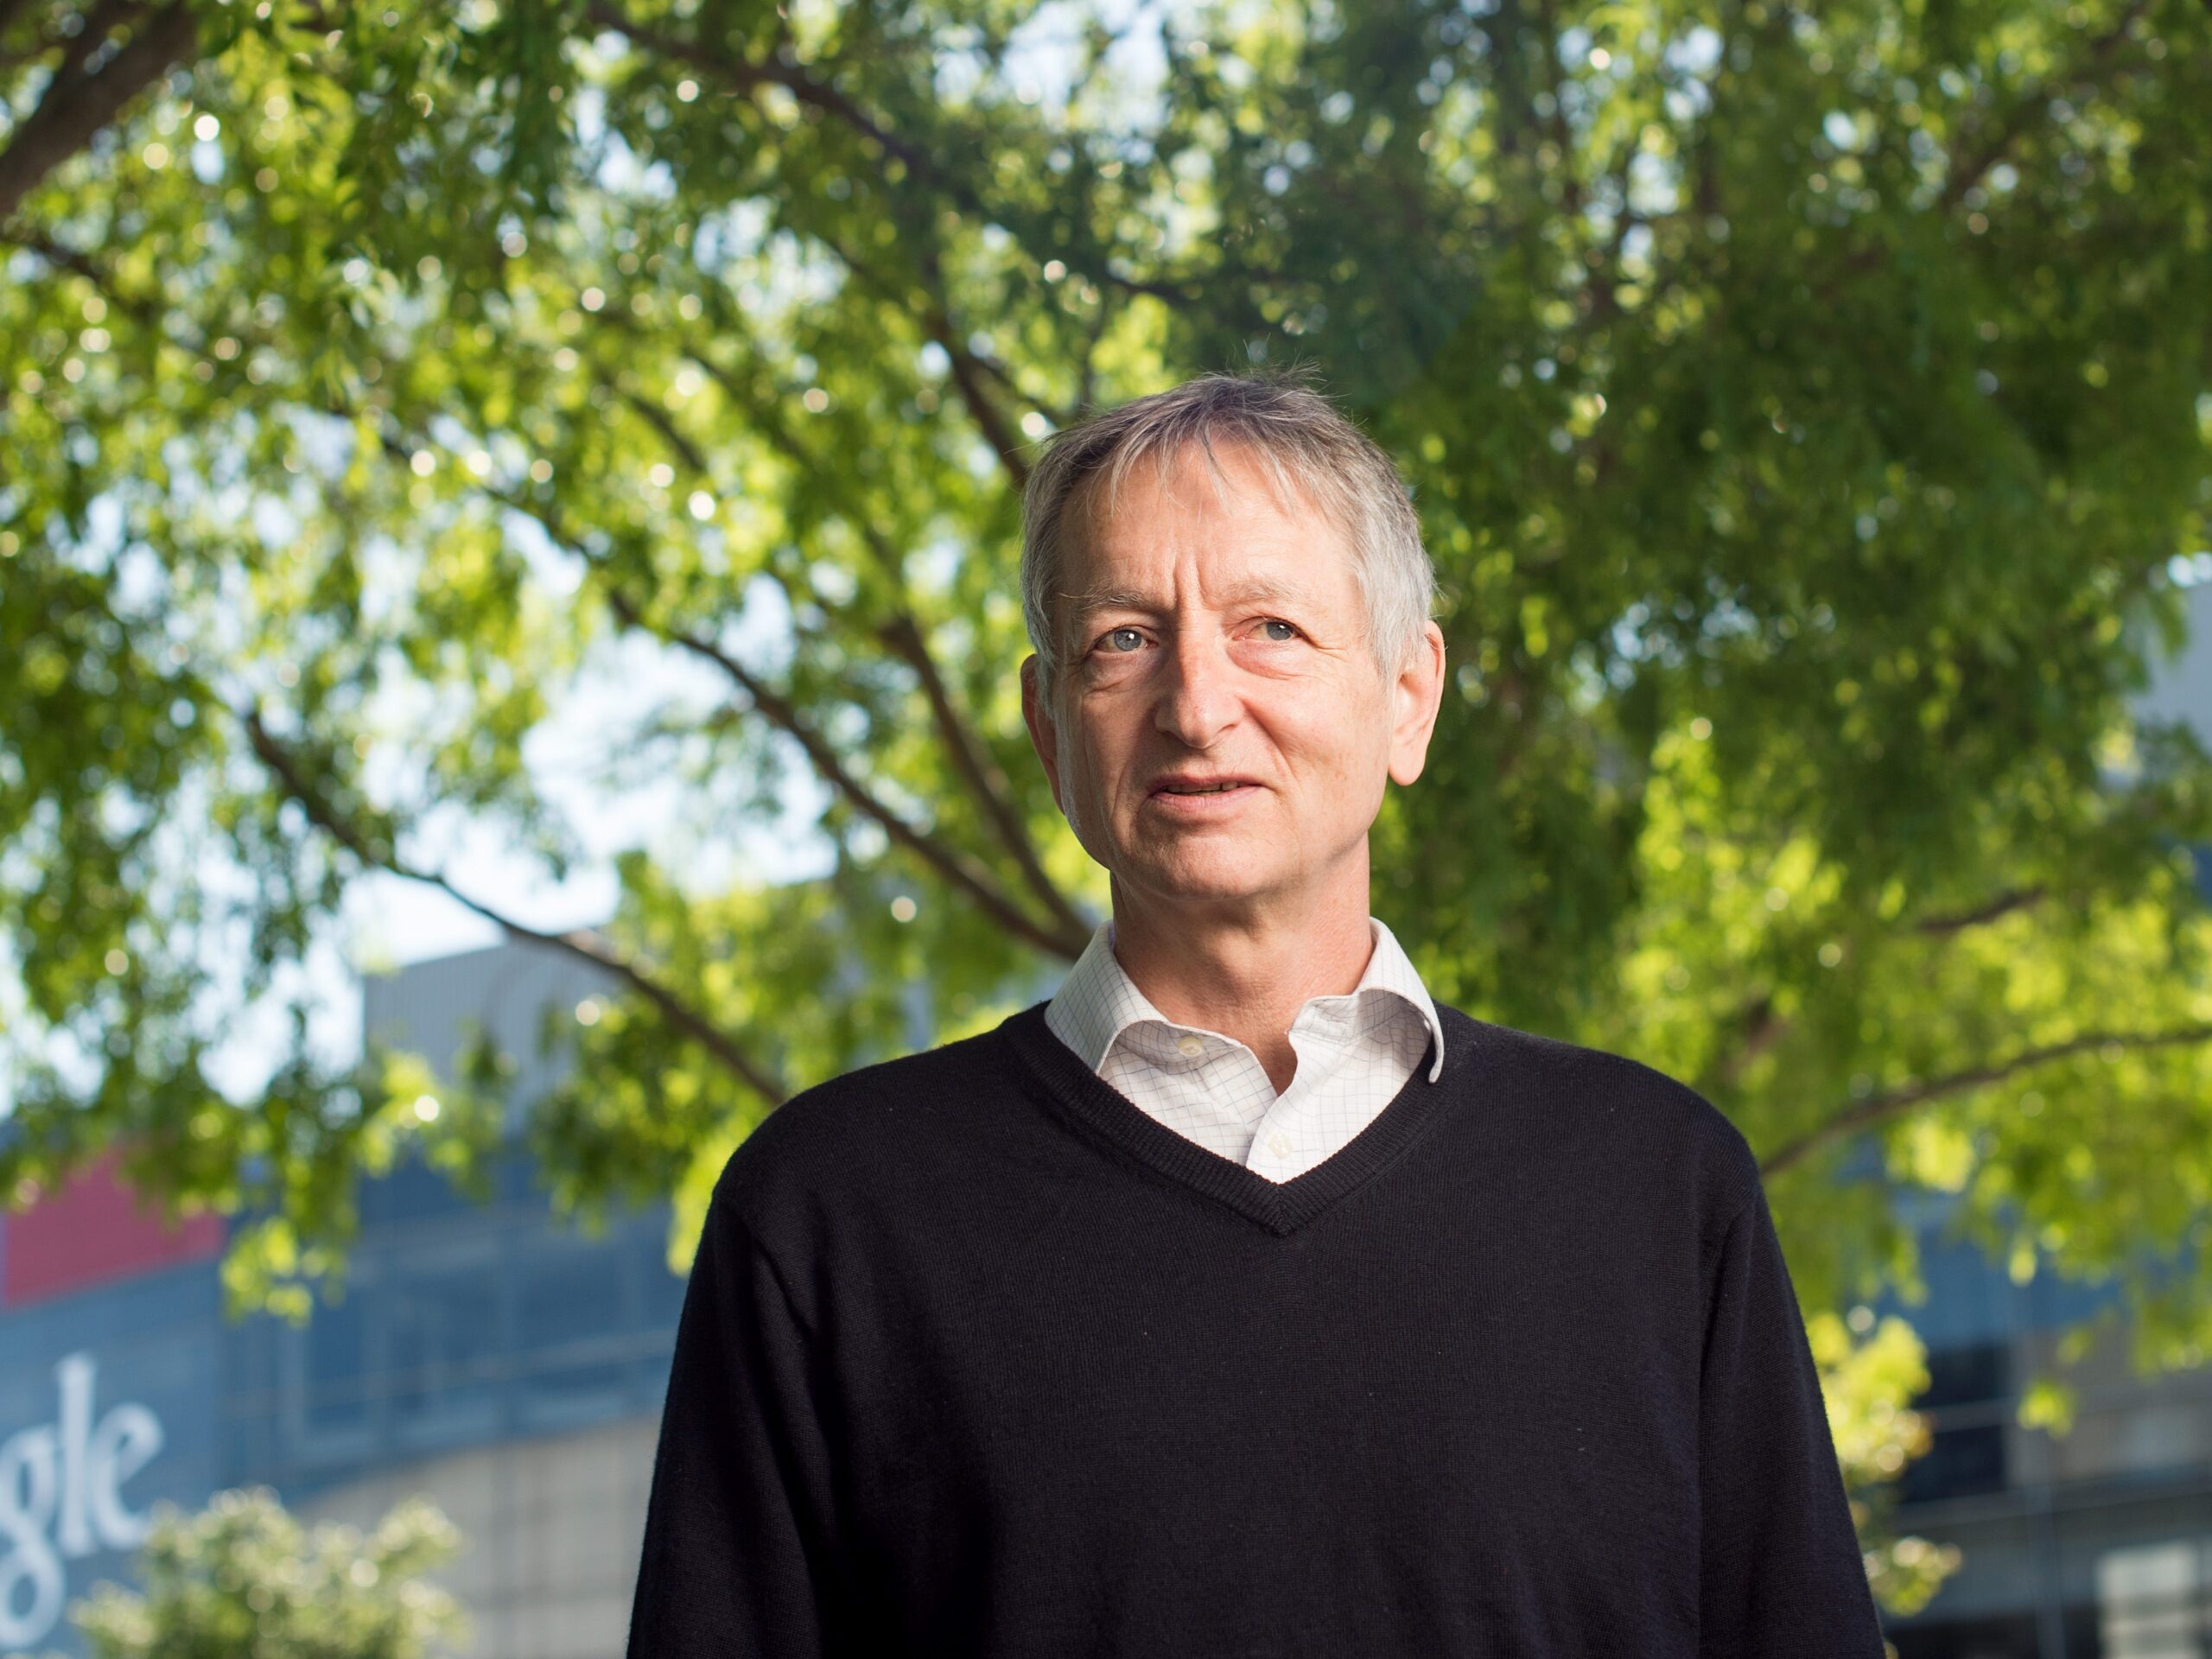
x=979, y=1359
x=1354, y=1053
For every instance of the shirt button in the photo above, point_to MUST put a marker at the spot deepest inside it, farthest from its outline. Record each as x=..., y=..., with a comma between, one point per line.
x=1190, y=1048
x=1279, y=1144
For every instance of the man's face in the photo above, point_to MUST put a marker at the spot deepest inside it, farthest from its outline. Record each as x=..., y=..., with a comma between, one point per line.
x=1225, y=732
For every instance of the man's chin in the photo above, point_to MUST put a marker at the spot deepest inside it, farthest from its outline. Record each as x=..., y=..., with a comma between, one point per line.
x=1203, y=875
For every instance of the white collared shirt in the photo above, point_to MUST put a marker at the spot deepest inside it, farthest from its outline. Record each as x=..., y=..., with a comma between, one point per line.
x=1354, y=1054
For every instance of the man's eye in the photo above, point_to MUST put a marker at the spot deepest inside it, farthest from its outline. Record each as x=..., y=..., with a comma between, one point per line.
x=1273, y=623
x=1123, y=639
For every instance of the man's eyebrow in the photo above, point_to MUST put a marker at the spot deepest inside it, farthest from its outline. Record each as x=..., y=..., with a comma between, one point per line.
x=1252, y=589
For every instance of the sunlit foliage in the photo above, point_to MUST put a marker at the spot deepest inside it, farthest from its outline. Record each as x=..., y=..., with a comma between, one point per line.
x=243, y=1576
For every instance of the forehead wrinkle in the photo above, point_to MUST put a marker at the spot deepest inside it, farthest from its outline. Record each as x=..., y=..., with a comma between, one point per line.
x=1241, y=591
x=1093, y=502
x=1092, y=599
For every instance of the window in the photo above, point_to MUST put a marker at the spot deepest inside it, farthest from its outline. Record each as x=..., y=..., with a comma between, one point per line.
x=337, y=1363
x=443, y=1342
x=1963, y=1462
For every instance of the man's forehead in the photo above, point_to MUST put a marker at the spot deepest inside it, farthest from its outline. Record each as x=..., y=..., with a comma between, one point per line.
x=1224, y=475
x=1265, y=541
x=1245, y=587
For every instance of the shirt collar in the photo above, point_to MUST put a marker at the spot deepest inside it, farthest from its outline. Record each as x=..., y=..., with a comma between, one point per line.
x=1098, y=1001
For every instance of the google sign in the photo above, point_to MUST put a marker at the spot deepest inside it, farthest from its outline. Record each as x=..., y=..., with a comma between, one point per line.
x=61, y=1498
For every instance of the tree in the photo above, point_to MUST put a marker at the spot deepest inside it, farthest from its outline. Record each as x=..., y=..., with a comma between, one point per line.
x=242, y=1577
x=1808, y=411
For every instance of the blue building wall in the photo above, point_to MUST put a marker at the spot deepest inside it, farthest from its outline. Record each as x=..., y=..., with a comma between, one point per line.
x=2067, y=1539
x=462, y=1324
x=151, y=1349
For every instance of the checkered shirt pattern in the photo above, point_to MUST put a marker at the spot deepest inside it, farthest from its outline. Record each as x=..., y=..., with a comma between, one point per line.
x=1354, y=1054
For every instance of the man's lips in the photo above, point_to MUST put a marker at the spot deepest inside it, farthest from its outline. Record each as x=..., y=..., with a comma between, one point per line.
x=1196, y=786
x=1196, y=800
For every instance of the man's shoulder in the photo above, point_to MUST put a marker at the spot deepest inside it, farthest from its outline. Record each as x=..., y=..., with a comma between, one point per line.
x=877, y=1119
x=1634, y=1108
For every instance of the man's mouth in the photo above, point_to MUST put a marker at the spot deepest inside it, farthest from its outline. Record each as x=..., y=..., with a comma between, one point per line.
x=1197, y=786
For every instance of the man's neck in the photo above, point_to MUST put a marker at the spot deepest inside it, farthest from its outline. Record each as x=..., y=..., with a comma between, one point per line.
x=1246, y=971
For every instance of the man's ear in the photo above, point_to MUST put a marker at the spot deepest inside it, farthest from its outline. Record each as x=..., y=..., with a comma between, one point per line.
x=1043, y=736
x=1415, y=695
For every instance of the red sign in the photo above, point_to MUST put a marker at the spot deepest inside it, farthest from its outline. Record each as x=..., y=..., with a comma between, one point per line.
x=94, y=1231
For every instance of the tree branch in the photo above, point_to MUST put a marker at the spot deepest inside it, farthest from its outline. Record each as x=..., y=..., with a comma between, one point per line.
x=978, y=770
x=2003, y=905
x=747, y=76
x=968, y=377
x=581, y=943
x=1763, y=1026
x=1879, y=1109
x=938, y=324
x=657, y=418
x=91, y=91
x=969, y=367
x=1004, y=375
x=146, y=313
x=1555, y=126
x=955, y=867
x=1975, y=163
x=904, y=634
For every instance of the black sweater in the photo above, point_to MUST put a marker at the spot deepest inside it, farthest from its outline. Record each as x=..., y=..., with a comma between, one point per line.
x=978, y=1359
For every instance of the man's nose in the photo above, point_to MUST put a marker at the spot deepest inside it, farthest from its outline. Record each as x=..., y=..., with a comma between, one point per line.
x=1197, y=694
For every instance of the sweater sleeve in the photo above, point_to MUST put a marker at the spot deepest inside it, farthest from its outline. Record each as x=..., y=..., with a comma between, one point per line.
x=1780, y=1566
x=738, y=1556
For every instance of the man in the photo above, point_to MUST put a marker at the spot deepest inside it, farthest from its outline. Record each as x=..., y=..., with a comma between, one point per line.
x=1242, y=1300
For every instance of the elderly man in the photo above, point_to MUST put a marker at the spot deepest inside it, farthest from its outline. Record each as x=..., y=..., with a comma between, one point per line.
x=1242, y=1300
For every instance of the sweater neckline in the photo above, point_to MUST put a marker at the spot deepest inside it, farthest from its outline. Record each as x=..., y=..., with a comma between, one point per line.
x=1279, y=1207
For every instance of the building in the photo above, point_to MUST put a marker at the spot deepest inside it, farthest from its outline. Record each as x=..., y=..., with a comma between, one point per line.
x=2093, y=1545
x=503, y=1363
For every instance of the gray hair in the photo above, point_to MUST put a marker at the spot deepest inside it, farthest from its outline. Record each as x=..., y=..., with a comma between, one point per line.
x=1308, y=449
